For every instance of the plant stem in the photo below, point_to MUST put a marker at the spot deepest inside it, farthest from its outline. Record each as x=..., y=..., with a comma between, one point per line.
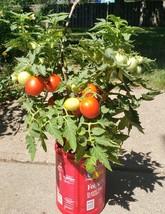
x=64, y=71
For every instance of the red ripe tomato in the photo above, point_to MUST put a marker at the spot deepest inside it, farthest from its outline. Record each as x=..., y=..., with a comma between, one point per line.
x=77, y=112
x=90, y=88
x=51, y=101
x=34, y=85
x=89, y=107
x=52, y=82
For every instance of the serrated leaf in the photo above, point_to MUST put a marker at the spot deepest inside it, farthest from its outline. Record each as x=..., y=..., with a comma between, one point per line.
x=31, y=146
x=124, y=122
x=27, y=106
x=13, y=26
x=134, y=120
x=100, y=154
x=113, y=157
x=34, y=133
x=98, y=131
x=70, y=133
x=104, y=110
x=104, y=141
x=53, y=130
x=60, y=120
x=21, y=67
x=90, y=164
x=43, y=144
x=80, y=153
x=42, y=69
x=150, y=95
x=104, y=122
x=82, y=131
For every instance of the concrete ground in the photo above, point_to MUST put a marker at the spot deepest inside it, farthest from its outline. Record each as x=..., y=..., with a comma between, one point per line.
x=138, y=187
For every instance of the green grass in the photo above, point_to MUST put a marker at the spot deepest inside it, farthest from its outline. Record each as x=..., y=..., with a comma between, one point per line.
x=156, y=79
x=151, y=43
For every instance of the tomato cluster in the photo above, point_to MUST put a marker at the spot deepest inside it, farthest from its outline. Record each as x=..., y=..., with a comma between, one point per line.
x=87, y=105
x=34, y=85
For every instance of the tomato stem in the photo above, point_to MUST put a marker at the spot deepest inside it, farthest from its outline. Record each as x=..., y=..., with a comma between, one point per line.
x=64, y=69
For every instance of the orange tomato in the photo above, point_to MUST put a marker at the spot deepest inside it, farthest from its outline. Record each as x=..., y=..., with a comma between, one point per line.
x=89, y=90
x=89, y=107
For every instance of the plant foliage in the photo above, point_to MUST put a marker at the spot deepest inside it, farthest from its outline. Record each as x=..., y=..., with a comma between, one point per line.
x=46, y=49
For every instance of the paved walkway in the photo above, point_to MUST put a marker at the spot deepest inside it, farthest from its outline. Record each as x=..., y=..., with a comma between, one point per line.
x=137, y=188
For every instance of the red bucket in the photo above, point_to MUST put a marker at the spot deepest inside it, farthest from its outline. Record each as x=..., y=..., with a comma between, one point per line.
x=77, y=191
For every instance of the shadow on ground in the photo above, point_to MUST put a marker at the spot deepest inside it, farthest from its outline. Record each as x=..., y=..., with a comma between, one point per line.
x=11, y=116
x=137, y=172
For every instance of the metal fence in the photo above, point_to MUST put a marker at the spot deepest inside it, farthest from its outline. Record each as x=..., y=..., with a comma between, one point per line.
x=141, y=13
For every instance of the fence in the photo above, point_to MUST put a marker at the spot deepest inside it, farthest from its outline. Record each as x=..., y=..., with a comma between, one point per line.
x=141, y=13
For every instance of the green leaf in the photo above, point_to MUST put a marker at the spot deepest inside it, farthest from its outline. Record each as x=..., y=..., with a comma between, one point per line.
x=105, y=141
x=42, y=69
x=90, y=164
x=53, y=130
x=70, y=132
x=43, y=144
x=31, y=146
x=98, y=131
x=150, y=95
x=133, y=118
x=80, y=153
x=101, y=154
x=124, y=122
x=82, y=131
x=21, y=67
x=27, y=106
x=112, y=156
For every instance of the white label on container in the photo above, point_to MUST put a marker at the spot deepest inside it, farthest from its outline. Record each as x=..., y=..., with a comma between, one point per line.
x=59, y=198
x=69, y=179
x=68, y=203
x=90, y=204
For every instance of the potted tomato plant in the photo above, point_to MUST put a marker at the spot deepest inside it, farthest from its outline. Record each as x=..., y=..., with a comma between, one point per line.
x=81, y=92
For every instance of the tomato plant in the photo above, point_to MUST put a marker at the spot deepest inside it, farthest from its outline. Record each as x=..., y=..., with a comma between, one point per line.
x=52, y=82
x=92, y=81
x=89, y=107
x=34, y=85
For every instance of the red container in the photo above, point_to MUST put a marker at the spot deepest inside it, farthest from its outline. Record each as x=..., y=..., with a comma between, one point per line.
x=77, y=191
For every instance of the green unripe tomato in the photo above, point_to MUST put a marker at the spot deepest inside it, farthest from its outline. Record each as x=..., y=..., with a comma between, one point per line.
x=75, y=88
x=140, y=59
x=132, y=64
x=120, y=58
x=14, y=77
x=23, y=76
x=71, y=104
x=138, y=70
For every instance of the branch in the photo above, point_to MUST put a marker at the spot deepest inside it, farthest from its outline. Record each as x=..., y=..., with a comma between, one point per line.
x=71, y=12
x=63, y=45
